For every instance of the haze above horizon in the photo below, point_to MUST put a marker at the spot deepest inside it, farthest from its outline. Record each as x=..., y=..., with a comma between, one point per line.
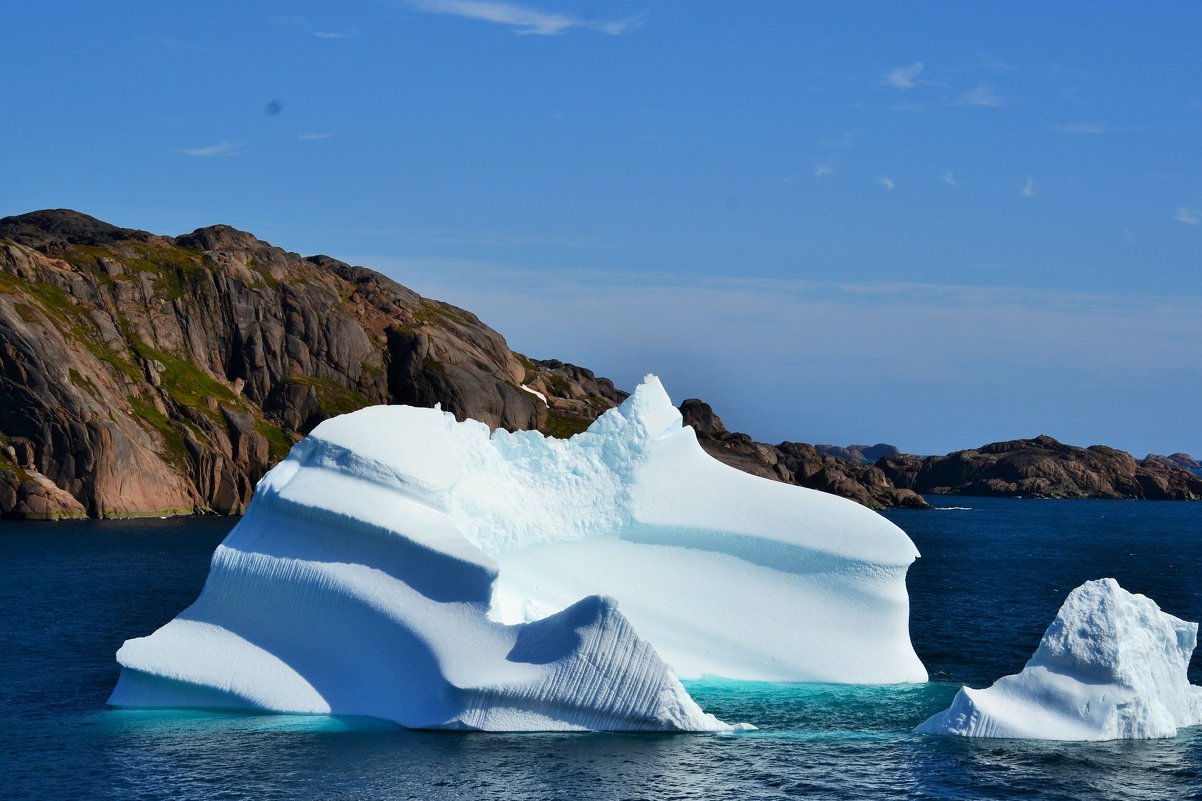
x=935, y=225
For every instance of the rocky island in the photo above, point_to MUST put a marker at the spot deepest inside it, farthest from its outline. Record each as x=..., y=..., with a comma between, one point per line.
x=151, y=375
x=1043, y=468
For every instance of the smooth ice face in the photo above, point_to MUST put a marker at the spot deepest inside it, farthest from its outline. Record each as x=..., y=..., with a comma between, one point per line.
x=1111, y=666
x=403, y=565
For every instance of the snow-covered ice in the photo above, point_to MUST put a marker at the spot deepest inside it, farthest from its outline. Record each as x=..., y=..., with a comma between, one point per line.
x=1111, y=666
x=406, y=566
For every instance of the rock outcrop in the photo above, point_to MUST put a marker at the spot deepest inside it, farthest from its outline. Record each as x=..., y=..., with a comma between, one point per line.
x=1042, y=468
x=796, y=463
x=867, y=454
x=142, y=374
x=1181, y=460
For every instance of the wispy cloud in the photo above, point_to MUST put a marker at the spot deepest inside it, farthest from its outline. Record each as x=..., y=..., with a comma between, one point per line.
x=983, y=96
x=949, y=178
x=844, y=140
x=1028, y=189
x=524, y=19
x=986, y=61
x=886, y=183
x=903, y=77
x=313, y=136
x=823, y=168
x=1084, y=128
x=317, y=33
x=220, y=149
x=1188, y=216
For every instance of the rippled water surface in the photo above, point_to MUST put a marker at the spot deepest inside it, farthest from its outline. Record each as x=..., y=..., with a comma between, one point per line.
x=990, y=580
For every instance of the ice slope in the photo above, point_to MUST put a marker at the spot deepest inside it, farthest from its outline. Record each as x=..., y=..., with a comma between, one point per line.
x=404, y=565
x=1111, y=666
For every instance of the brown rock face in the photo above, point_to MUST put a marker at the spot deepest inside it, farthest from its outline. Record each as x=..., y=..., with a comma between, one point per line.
x=868, y=454
x=142, y=374
x=1182, y=460
x=1042, y=468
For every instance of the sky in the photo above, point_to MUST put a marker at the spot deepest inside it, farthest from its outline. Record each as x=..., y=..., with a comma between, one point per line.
x=931, y=224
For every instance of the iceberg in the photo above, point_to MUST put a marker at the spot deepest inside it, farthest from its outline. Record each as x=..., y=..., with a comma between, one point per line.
x=1111, y=666
x=403, y=565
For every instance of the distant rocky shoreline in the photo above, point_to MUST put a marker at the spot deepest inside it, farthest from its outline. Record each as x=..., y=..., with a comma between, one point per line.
x=155, y=375
x=1034, y=468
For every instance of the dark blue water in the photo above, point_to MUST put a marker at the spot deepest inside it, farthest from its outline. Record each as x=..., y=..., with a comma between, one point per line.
x=990, y=580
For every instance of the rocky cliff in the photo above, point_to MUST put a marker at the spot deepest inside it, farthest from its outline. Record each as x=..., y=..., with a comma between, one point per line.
x=145, y=375
x=142, y=374
x=1043, y=468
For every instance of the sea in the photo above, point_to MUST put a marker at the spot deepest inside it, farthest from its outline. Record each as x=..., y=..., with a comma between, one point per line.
x=993, y=573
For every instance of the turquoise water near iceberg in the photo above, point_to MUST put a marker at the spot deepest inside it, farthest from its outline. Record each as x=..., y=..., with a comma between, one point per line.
x=990, y=580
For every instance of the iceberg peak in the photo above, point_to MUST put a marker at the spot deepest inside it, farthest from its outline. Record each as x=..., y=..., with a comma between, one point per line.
x=650, y=407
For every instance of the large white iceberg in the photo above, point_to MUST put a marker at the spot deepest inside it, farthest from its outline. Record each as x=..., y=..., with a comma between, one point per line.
x=1111, y=666
x=403, y=565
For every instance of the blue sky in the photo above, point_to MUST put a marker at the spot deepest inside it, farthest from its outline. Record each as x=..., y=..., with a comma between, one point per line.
x=934, y=224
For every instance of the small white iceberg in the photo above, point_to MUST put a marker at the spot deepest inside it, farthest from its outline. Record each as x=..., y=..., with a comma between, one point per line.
x=1111, y=666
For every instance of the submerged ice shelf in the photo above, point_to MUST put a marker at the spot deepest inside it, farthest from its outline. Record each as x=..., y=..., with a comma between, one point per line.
x=1111, y=666
x=403, y=565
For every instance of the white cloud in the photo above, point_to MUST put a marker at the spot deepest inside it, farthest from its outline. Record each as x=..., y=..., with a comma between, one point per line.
x=524, y=19
x=949, y=178
x=903, y=77
x=1188, y=216
x=986, y=61
x=1087, y=128
x=823, y=168
x=219, y=149
x=844, y=140
x=313, y=136
x=1028, y=189
x=886, y=183
x=982, y=96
